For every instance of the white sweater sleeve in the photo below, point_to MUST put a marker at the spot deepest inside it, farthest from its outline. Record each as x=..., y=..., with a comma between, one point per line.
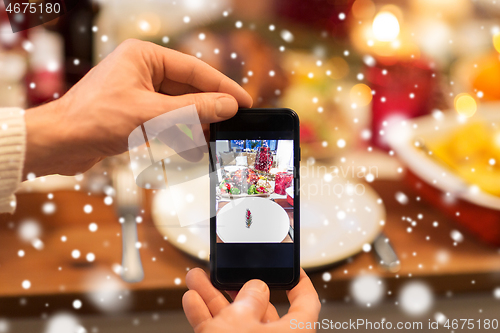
x=12, y=150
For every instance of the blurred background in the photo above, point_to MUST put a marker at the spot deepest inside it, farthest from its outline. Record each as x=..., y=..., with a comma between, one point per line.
x=397, y=97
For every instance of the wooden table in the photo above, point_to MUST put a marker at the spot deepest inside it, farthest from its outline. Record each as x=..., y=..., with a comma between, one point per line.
x=57, y=279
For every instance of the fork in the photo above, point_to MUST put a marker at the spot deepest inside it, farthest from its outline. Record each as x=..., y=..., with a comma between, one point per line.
x=128, y=205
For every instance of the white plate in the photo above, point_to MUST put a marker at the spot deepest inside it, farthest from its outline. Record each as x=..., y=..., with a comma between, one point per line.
x=401, y=137
x=270, y=222
x=333, y=227
x=233, y=168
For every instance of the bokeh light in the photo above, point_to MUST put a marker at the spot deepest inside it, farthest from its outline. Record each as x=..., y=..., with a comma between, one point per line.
x=148, y=24
x=361, y=94
x=496, y=41
x=363, y=9
x=465, y=105
x=385, y=26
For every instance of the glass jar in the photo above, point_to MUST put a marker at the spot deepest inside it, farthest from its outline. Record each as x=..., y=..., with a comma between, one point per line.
x=263, y=160
x=283, y=181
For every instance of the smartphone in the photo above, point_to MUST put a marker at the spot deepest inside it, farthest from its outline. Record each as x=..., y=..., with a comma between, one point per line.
x=255, y=199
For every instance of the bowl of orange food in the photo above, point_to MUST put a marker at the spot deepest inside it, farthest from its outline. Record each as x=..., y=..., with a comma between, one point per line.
x=453, y=162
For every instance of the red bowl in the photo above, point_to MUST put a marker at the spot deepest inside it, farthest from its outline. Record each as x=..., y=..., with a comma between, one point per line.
x=478, y=211
x=482, y=222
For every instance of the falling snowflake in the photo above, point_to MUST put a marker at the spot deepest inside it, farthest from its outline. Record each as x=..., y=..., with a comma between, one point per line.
x=87, y=209
x=181, y=239
x=93, y=227
x=401, y=198
x=64, y=323
x=456, y=236
x=49, y=208
x=287, y=36
x=107, y=292
x=29, y=230
x=367, y=247
x=440, y=318
x=369, y=60
x=496, y=293
x=75, y=254
x=4, y=325
x=108, y=200
x=90, y=257
x=26, y=284
x=416, y=298
x=367, y=290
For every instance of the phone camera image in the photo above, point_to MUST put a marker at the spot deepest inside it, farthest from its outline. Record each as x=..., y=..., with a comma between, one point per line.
x=255, y=191
x=255, y=199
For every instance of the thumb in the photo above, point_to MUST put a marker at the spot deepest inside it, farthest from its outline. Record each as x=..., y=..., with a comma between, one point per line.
x=211, y=107
x=252, y=300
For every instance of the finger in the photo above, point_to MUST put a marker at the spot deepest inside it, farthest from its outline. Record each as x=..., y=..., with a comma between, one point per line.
x=179, y=67
x=304, y=298
x=197, y=280
x=211, y=107
x=175, y=88
x=252, y=300
x=195, y=309
x=271, y=314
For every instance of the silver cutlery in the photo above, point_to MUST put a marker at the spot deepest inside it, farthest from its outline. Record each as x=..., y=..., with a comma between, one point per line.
x=385, y=254
x=128, y=206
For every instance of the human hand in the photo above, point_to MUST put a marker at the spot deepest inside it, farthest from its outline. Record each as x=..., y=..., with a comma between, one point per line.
x=135, y=83
x=207, y=310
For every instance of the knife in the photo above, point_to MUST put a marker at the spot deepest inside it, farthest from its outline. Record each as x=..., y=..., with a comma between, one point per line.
x=385, y=254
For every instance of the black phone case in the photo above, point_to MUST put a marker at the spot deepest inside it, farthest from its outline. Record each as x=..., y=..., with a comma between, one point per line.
x=297, y=157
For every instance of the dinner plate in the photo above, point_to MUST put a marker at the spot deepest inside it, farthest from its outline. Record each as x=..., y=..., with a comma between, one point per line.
x=233, y=168
x=270, y=222
x=337, y=218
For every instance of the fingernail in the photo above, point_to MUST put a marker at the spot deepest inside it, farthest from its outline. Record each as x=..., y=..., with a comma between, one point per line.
x=225, y=107
x=256, y=285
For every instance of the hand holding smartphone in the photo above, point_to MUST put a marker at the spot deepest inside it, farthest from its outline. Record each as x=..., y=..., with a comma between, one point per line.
x=255, y=199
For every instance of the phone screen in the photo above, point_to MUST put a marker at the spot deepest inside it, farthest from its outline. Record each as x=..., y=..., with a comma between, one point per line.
x=254, y=192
